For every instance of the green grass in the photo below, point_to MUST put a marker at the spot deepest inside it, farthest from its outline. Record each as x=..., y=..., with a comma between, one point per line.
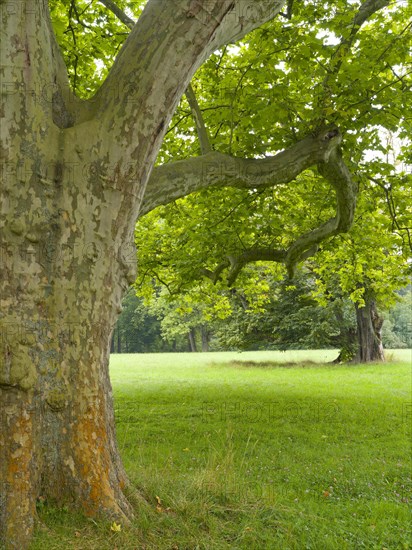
x=245, y=454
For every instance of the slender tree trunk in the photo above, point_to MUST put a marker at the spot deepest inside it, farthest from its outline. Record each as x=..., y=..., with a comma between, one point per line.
x=369, y=324
x=205, y=338
x=192, y=340
x=119, y=340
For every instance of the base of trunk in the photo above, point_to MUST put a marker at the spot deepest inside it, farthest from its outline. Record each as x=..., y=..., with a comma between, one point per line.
x=58, y=444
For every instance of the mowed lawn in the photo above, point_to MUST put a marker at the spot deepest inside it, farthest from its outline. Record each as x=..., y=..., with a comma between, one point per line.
x=256, y=450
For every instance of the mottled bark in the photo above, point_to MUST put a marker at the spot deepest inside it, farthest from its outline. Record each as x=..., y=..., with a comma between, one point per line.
x=73, y=179
x=369, y=324
x=174, y=180
x=73, y=175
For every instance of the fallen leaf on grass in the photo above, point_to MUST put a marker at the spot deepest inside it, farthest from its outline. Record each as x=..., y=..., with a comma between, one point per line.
x=159, y=507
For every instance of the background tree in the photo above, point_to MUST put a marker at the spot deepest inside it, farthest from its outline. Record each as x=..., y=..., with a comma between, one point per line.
x=270, y=314
x=181, y=245
x=399, y=321
x=137, y=330
x=291, y=318
x=184, y=320
x=370, y=265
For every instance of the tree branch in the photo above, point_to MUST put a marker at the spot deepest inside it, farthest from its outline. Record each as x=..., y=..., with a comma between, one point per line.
x=387, y=189
x=119, y=13
x=167, y=44
x=174, y=180
x=238, y=262
x=367, y=9
x=204, y=140
x=334, y=170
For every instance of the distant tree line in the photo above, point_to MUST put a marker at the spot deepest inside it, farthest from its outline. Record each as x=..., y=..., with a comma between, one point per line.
x=292, y=319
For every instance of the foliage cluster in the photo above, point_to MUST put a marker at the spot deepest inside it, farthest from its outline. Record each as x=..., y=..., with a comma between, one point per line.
x=261, y=96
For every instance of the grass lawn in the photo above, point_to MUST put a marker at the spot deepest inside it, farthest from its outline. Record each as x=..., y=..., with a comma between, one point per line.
x=225, y=450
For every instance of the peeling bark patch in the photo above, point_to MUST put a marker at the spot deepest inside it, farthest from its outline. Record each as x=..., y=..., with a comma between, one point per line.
x=159, y=129
x=92, y=460
x=17, y=503
x=194, y=8
x=58, y=174
x=19, y=370
x=17, y=227
x=57, y=399
x=61, y=115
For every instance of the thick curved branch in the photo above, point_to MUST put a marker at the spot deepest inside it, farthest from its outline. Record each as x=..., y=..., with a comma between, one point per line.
x=167, y=44
x=334, y=170
x=120, y=14
x=203, y=136
x=174, y=180
x=238, y=262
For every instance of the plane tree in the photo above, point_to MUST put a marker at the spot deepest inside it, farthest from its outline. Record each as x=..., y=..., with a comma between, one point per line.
x=79, y=139
x=258, y=97
x=372, y=262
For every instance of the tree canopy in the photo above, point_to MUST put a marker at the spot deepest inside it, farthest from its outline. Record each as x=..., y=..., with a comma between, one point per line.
x=309, y=68
x=343, y=67
x=289, y=110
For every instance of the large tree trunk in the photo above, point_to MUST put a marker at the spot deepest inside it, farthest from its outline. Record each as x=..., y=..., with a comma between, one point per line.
x=73, y=179
x=60, y=295
x=369, y=324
